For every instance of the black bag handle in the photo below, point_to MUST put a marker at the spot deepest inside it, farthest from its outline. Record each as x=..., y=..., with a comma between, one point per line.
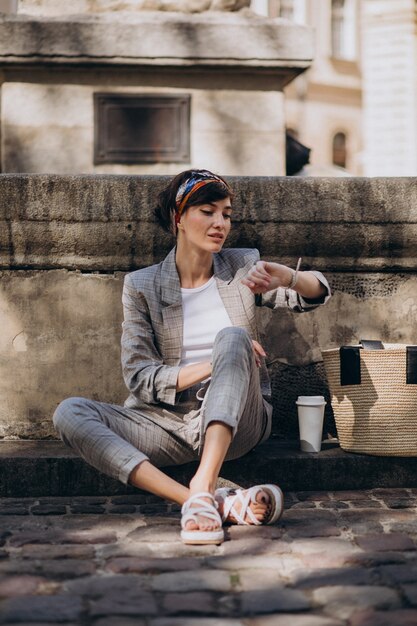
x=350, y=365
x=350, y=362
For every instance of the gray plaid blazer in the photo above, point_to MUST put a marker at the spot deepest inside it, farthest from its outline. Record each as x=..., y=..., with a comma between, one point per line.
x=153, y=321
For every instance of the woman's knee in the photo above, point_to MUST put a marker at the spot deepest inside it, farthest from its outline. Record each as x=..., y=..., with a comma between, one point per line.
x=68, y=411
x=233, y=337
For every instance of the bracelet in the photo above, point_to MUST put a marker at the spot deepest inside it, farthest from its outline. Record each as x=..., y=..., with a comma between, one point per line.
x=294, y=274
x=294, y=278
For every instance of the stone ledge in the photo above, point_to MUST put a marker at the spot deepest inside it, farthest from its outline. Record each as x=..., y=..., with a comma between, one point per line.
x=48, y=468
x=148, y=39
x=342, y=224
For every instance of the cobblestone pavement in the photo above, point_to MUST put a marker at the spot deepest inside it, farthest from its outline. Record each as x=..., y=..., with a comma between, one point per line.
x=335, y=558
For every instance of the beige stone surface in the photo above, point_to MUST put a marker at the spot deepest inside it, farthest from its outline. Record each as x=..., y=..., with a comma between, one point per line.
x=61, y=327
x=232, y=63
x=152, y=38
x=60, y=334
x=232, y=131
x=51, y=7
x=338, y=225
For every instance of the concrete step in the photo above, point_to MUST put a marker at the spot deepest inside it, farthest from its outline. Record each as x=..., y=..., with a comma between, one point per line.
x=48, y=468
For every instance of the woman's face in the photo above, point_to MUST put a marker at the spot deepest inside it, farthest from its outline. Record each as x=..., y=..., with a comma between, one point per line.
x=206, y=226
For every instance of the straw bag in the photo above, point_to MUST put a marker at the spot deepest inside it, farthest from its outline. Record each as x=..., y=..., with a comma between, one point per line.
x=374, y=397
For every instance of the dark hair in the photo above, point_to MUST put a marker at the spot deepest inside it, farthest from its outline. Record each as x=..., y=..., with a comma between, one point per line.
x=165, y=208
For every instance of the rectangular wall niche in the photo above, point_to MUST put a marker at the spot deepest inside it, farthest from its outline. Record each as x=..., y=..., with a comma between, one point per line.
x=141, y=128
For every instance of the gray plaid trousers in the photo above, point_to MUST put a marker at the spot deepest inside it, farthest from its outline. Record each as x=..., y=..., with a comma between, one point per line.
x=115, y=439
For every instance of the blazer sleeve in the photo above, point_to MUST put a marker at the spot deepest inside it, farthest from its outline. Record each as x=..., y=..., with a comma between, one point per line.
x=144, y=372
x=290, y=299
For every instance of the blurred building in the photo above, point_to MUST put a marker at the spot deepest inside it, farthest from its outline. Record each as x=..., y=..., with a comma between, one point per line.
x=108, y=87
x=356, y=106
x=389, y=69
x=324, y=105
x=60, y=63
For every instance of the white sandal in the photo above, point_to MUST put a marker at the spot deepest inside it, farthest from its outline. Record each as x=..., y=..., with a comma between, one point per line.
x=194, y=506
x=228, y=498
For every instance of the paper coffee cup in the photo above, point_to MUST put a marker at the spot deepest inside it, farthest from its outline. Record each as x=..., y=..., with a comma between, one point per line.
x=310, y=421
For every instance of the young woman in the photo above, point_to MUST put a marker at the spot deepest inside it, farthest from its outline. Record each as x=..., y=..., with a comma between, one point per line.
x=193, y=365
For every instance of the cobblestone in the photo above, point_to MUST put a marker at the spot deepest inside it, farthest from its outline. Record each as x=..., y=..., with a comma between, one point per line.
x=61, y=569
x=410, y=592
x=193, y=581
x=19, y=585
x=310, y=578
x=121, y=508
x=369, y=559
x=273, y=599
x=197, y=603
x=126, y=565
x=119, y=621
x=87, y=509
x=128, y=603
x=43, y=609
x=41, y=551
x=49, y=509
x=405, y=617
x=293, y=620
x=334, y=559
x=385, y=542
x=393, y=574
x=343, y=601
x=361, y=521
x=174, y=621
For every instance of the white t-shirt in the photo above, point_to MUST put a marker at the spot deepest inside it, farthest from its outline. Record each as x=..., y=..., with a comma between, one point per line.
x=204, y=316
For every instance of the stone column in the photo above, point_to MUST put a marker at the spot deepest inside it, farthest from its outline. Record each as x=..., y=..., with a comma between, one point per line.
x=230, y=64
x=389, y=87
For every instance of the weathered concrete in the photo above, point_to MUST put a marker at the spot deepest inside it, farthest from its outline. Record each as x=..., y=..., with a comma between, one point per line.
x=66, y=242
x=211, y=38
x=48, y=468
x=58, y=135
x=105, y=223
x=232, y=65
x=71, y=313
x=51, y=7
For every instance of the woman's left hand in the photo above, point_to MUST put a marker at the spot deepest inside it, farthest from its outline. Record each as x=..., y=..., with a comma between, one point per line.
x=259, y=352
x=263, y=277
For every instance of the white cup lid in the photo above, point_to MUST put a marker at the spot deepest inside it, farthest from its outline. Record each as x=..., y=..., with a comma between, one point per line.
x=311, y=400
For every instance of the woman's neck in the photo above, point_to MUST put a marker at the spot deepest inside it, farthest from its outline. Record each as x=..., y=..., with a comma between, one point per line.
x=194, y=267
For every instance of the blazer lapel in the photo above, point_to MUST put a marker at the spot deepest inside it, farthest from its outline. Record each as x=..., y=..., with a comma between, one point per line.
x=171, y=310
x=233, y=295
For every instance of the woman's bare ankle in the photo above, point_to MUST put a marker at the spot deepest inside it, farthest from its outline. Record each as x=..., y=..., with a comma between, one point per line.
x=201, y=484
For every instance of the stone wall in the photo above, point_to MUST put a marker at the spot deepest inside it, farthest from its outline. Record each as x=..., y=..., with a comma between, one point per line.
x=66, y=243
x=232, y=66
x=51, y=7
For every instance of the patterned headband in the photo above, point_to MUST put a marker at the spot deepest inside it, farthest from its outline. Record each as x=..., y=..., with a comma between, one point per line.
x=190, y=186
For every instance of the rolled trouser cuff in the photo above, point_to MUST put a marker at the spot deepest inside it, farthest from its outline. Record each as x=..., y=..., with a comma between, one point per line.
x=127, y=468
